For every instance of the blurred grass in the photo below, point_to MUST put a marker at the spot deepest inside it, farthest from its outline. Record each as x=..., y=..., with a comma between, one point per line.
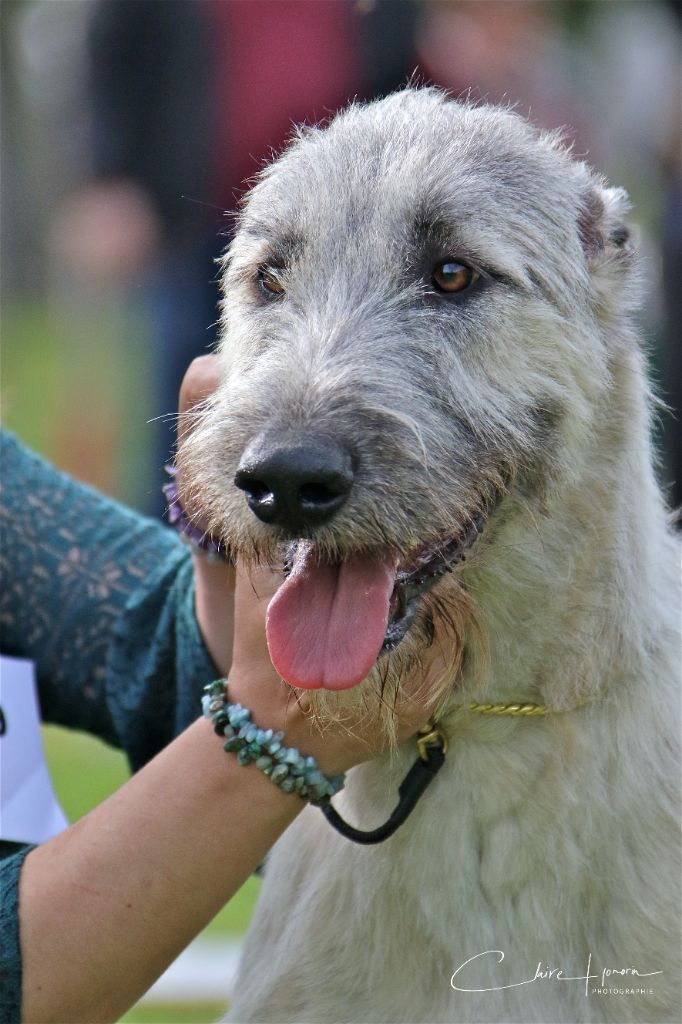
x=29, y=369
x=77, y=386
x=174, y=1013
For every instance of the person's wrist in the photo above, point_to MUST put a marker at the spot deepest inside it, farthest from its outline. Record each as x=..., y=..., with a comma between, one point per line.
x=214, y=608
x=335, y=748
x=253, y=743
x=224, y=770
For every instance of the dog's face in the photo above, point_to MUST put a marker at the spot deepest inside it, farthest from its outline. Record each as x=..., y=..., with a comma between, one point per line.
x=411, y=344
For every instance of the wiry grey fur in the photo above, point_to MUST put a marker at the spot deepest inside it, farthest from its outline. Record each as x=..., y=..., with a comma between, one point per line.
x=549, y=839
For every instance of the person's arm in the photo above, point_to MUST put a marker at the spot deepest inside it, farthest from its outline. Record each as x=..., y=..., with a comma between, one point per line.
x=102, y=599
x=107, y=905
x=149, y=92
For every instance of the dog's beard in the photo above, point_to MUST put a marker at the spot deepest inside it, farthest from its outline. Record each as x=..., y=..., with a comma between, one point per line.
x=425, y=662
x=428, y=663
x=330, y=621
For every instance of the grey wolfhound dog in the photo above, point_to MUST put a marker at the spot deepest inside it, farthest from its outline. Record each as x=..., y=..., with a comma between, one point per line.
x=434, y=400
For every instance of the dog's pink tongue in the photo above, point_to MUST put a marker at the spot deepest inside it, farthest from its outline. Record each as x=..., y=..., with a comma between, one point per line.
x=326, y=623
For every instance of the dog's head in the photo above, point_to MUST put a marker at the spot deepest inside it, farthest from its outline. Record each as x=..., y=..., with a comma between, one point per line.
x=413, y=342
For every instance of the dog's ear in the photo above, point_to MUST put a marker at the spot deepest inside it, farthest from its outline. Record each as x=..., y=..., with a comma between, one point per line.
x=609, y=253
x=601, y=224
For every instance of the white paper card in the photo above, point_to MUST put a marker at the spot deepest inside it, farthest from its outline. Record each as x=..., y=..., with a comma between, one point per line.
x=29, y=812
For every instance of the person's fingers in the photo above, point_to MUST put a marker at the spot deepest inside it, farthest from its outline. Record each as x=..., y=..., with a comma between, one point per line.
x=254, y=591
x=256, y=684
x=200, y=380
x=214, y=606
x=214, y=581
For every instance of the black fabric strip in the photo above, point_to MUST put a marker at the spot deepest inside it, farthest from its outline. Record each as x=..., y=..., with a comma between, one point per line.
x=411, y=788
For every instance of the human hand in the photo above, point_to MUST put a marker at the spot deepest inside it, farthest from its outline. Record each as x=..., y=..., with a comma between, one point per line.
x=255, y=684
x=214, y=581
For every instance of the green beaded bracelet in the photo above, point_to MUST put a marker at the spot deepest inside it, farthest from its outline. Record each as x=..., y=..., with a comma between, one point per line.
x=285, y=766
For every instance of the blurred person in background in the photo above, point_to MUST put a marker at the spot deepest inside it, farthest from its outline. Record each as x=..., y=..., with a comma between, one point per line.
x=187, y=101
x=503, y=52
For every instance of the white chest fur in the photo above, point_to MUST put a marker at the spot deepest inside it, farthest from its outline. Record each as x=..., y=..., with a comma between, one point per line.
x=531, y=843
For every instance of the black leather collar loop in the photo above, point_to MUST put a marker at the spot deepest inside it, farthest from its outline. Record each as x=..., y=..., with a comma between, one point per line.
x=432, y=747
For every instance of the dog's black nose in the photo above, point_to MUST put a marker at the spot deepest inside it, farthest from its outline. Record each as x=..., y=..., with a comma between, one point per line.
x=295, y=486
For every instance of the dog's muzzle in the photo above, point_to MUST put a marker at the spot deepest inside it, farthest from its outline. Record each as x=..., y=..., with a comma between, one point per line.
x=330, y=621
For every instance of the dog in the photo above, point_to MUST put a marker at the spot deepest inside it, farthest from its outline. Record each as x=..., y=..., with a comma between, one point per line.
x=432, y=376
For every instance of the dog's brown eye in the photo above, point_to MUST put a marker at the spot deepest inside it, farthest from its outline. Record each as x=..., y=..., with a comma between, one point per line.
x=269, y=282
x=450, y=277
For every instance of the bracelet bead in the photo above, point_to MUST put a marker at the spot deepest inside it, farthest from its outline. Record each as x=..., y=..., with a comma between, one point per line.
x=285, y=766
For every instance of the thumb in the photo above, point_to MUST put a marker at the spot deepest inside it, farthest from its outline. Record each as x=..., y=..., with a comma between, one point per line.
x=200, y=380
x=214, y=594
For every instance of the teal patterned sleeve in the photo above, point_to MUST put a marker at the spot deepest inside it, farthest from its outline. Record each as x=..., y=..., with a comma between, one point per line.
x=10, y=956
x=102, y=600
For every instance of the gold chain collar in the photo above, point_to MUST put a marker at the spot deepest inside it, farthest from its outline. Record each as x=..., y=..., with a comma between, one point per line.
x=433, y=733
x=515, y=710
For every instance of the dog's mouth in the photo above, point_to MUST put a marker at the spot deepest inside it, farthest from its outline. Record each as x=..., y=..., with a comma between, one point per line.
x=329, y=623
x=423, y=571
